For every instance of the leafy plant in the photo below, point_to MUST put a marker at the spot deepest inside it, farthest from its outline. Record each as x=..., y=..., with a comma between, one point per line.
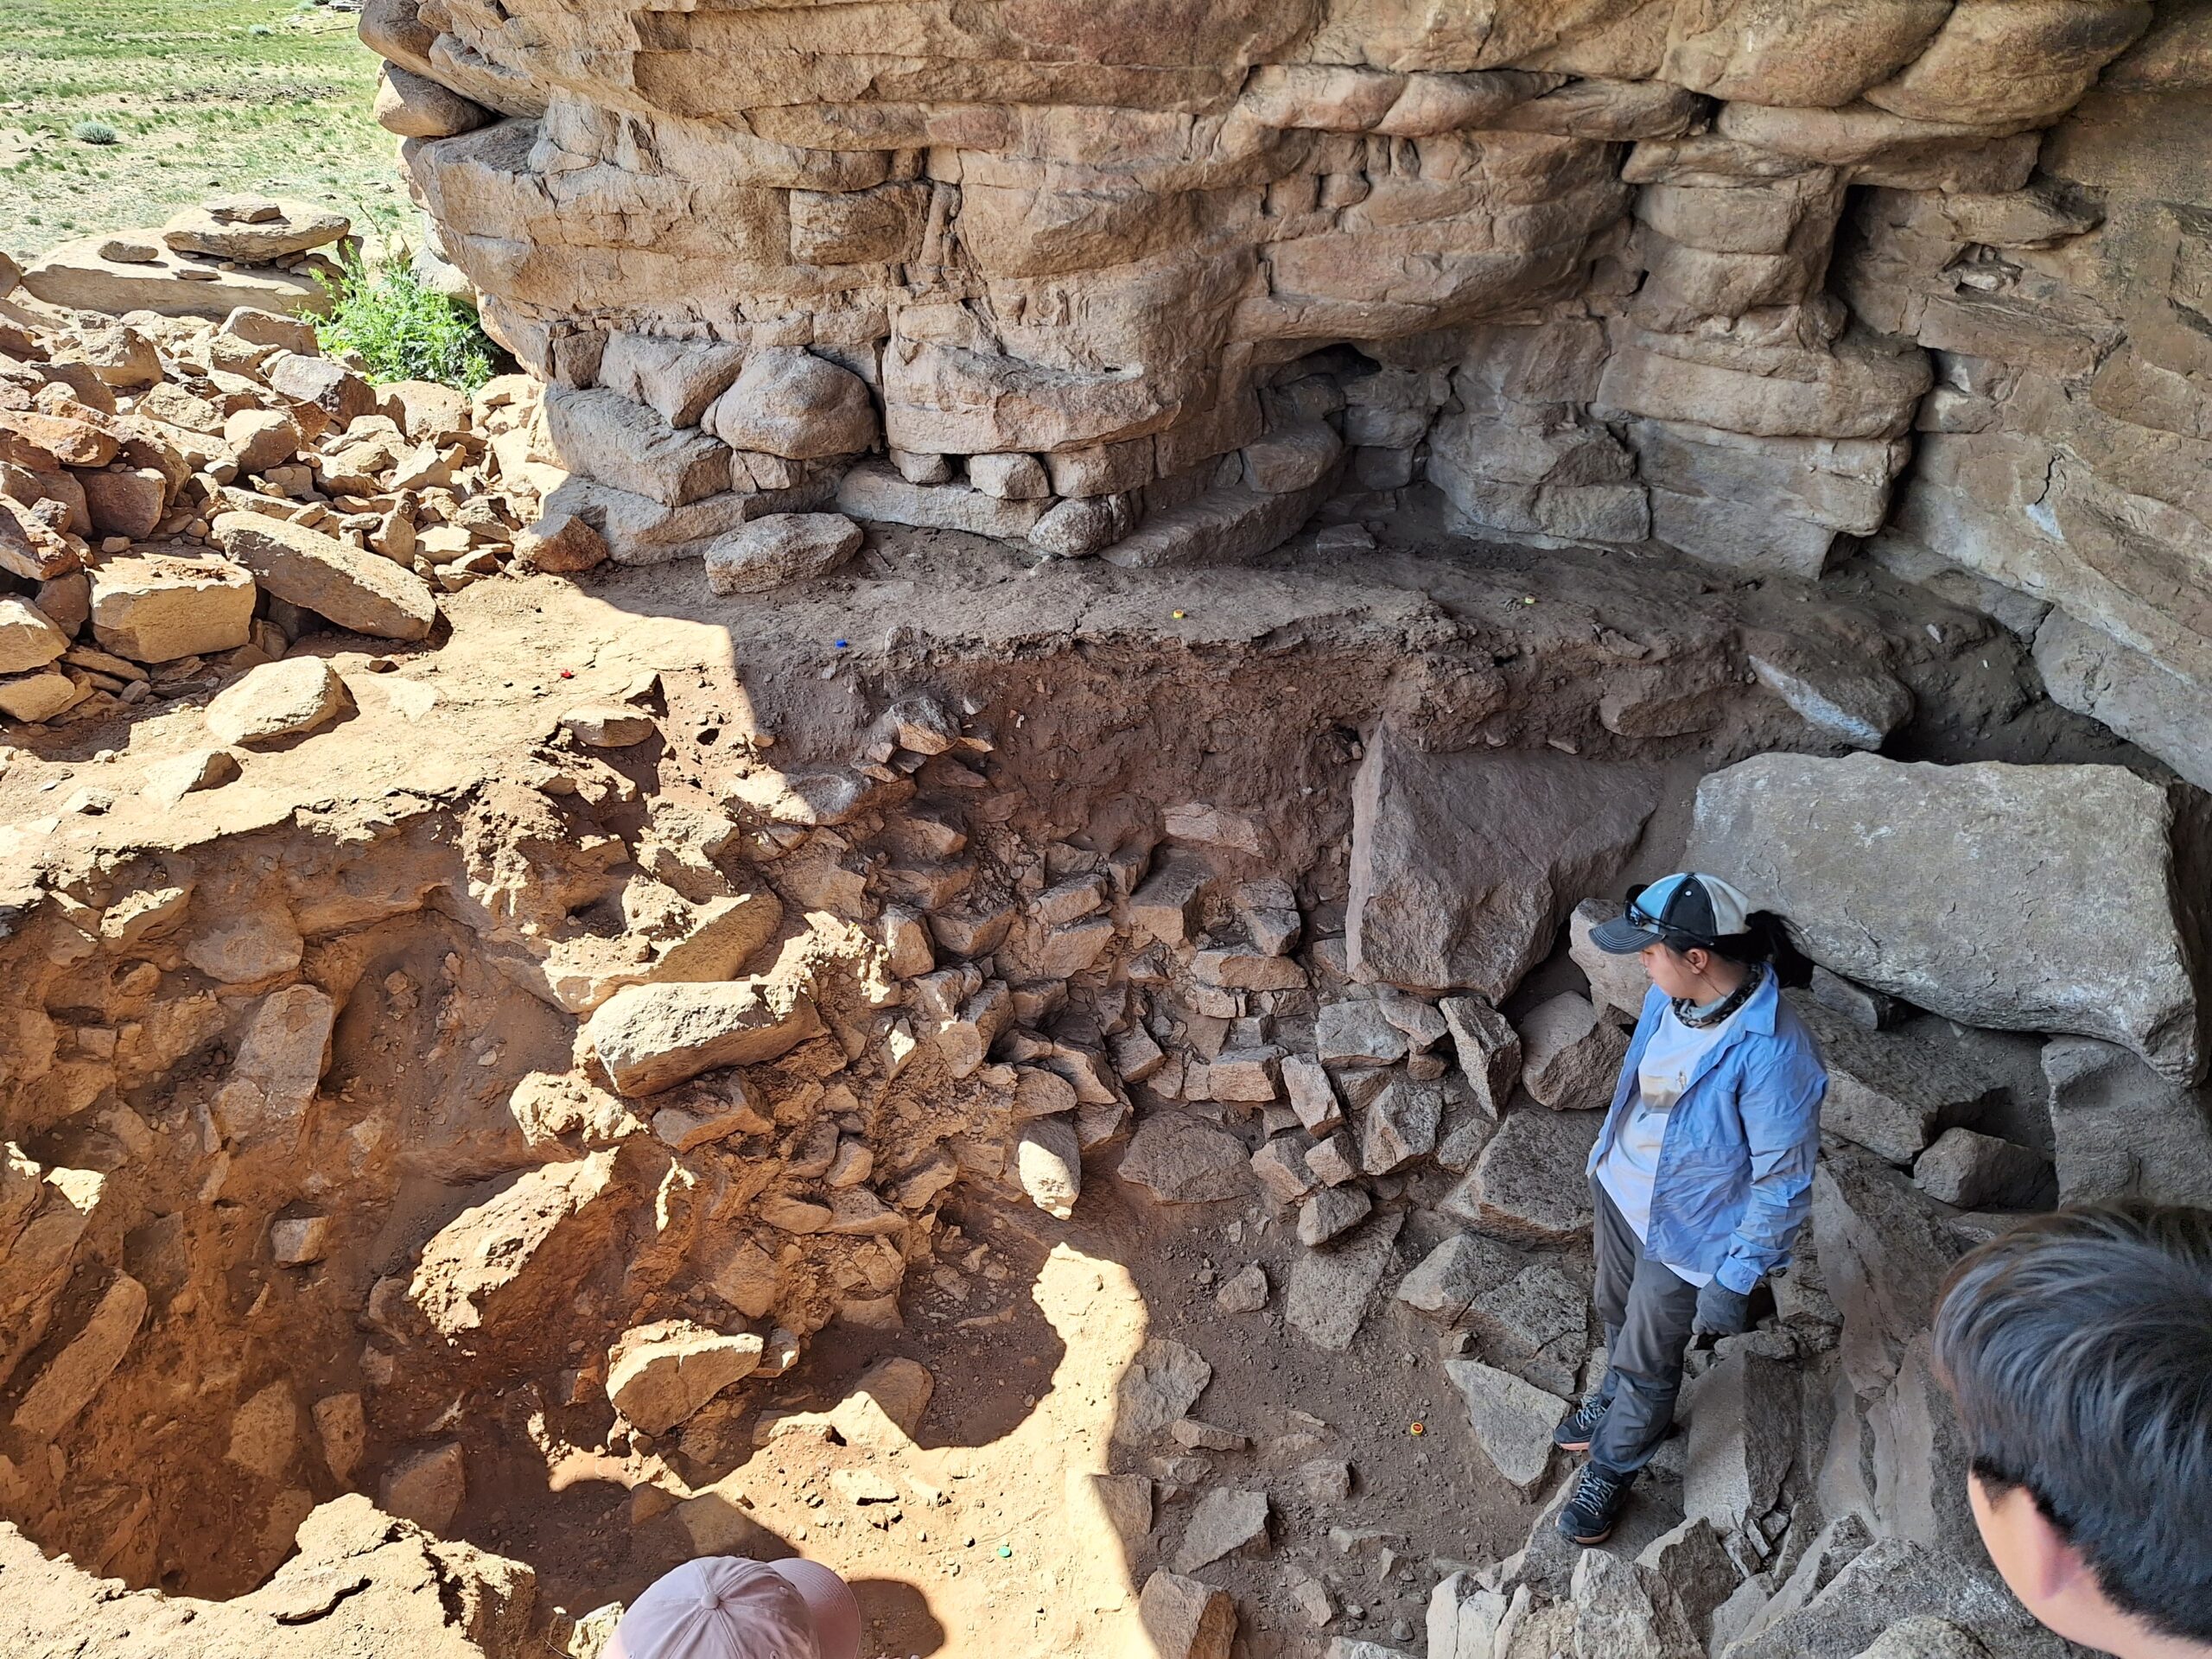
x=95, y=132
x=405, y=330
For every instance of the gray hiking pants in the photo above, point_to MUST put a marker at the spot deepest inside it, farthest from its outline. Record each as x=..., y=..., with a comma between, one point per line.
x=1647, y=1311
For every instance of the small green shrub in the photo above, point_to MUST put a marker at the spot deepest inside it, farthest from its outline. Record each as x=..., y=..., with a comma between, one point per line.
x=405, y=330
x=95, y=132
x=260, y=29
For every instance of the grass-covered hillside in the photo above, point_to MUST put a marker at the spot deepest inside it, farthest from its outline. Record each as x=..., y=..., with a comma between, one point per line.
x=114, y=113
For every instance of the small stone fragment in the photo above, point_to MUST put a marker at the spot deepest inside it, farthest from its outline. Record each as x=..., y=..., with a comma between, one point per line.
x=278, y=700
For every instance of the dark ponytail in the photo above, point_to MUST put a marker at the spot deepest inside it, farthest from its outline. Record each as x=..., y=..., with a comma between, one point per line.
x=1762, y=940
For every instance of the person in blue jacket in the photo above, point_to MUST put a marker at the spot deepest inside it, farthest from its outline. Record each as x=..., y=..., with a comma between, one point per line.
x=1700, y=1177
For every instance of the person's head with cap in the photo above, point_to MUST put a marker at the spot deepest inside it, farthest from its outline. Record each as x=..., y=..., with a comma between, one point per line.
x=728, y=1607
x=1694, y=932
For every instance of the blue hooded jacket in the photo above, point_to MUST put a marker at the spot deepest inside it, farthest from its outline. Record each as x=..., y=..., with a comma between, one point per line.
x=1735, y=1171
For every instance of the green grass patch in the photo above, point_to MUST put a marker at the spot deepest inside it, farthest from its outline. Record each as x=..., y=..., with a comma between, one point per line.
x=405, y=330
x=202, y=97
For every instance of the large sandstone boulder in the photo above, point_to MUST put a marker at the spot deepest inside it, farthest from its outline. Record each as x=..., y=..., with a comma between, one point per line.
x=157, y=609
x=2025, y=898
x=1463, y=865
x=351, y=586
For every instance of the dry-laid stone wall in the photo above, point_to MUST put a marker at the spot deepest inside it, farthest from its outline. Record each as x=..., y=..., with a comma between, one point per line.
x=1716, y=273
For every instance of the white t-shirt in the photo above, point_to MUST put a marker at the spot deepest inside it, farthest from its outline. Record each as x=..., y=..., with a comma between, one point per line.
x=1632, y=1163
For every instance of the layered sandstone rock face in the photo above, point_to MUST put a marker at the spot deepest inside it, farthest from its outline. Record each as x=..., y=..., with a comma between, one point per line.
x=1152, y=280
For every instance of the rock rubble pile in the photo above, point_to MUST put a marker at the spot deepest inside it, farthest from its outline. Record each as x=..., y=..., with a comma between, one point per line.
x=180, y=500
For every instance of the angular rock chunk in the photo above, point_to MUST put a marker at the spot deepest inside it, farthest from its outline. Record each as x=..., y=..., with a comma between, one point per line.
x=1888, y=1092
x=1743, y=1423
x=2120, y=1130
x=1464, y=1618
x=262, y=438
x=1896, y=1578
x=1868, y=1010
x=265, y=1431
x=278, y=700
x=1973, y=1171
x=1186, y=1618
x=1357, y=1034
x=1247, y=1293
x=1330, y=1289
x=415, y=106
x=779, y=547
x=1162, y=1383
x=1010, y=478
x=281, y=1059
x=607, y=437
x=427, y=1486
x=129, y=502
x=1617, y=984
x=873, y=491
x=1334, y=1160
x=2086, y=670
x=1167, y=904
x=155, y=610
x=350, y=587
x=1535, y=1324
x=1570, y=1059
x=1311, y=1096
x=1332, y=1210
x=652, y=1037
x=1463, y=865
x=1048, y=1161
x=1512, y=1420
x=1457, y=1271
x=1695, y=1564
x=1281, y=1167
x=328, y=385
x=560, y=541
x=506, y=1267
x=29, y=638
x=660, y=1375
x=243, y=228
x=1489, y=1049
x=2056, y=899
x=1224, y=1523
x=1528, y=1186
x=81, y=1367
x=1400, y=1125
x=342, y=1427
x=1180, y=1160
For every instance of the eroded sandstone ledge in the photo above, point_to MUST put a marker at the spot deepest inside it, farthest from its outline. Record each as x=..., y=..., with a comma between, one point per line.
x=1741, y=279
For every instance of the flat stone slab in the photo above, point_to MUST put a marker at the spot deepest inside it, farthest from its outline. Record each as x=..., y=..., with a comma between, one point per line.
x=73, y=274
x=2024, y=897
x=1330, y=1288
x=1463, y=865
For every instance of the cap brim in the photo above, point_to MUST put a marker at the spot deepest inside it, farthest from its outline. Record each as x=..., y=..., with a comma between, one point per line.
x=836, y=1611
x=1622, y=938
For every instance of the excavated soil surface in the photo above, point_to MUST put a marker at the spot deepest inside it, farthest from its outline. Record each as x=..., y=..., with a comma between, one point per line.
x=1110, y=696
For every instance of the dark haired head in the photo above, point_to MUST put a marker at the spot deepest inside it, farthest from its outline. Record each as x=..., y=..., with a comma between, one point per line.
x=2078, y=1347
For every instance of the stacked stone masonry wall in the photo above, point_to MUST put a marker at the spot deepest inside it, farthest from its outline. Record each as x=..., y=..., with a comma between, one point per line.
x=1744, y=278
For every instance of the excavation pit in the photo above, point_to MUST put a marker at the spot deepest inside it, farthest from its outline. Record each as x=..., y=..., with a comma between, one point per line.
x=1003, y=863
